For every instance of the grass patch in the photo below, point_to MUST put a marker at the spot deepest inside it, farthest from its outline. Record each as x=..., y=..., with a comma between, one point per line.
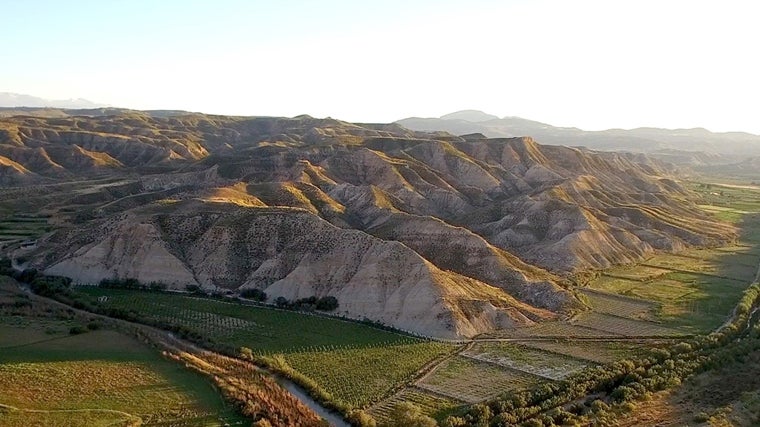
x=100, y=372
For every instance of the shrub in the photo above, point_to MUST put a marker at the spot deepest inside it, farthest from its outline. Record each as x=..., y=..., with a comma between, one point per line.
x=328, y=303
x=361, y=419
x=254, y=294
x=76, y=330
x=407, y=414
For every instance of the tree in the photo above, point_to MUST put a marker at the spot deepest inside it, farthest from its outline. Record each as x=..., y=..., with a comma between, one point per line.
x=281, y=302
x=254, y=294
x=328, y=303
x=407, y=414
x=362, y=419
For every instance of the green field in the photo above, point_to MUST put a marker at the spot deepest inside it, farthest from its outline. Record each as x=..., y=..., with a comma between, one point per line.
x=355, y=363
x=17, y=228
x=693, y=291
x=49, y=377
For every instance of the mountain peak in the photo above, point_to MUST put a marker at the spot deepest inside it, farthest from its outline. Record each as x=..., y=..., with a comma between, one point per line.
x=474, y=116
x=8, y=99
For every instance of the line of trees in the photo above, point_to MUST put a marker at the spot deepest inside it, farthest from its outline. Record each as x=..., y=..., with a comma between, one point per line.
x=328, y=303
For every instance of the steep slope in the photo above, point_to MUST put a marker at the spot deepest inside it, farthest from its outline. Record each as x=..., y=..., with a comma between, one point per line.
x=289, y=253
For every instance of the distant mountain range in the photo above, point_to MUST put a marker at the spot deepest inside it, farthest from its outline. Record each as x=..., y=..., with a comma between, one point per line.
x=8, y=100
x=696, y=147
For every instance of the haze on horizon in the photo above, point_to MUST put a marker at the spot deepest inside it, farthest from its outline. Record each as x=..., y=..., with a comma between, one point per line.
x=589, y=64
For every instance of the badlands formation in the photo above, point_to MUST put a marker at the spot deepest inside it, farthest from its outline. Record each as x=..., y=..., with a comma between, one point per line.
x=441, y=235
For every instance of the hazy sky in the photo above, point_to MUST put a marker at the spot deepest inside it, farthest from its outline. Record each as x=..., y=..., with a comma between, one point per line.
x=591, y=64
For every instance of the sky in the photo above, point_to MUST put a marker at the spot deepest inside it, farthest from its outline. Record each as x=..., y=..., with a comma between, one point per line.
x=589, y=64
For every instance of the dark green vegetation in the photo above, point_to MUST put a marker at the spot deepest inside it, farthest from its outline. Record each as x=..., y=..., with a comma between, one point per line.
x=347, y=364
x=16, y=229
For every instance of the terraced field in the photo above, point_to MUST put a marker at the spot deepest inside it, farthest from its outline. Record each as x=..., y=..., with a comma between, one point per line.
x=623, y=326
x=619, y=305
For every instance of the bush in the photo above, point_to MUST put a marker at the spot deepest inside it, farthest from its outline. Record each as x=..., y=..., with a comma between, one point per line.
x=281, y=302
x=327, y=303
x=93, y=326
x=157, y=286
x=362, y=419
x=76, y=330
x=407, y=414
x=254, y=294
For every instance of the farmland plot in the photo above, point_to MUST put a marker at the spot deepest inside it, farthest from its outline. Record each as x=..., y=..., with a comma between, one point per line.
x=619, y=305
x=557, y=329
x=472, y=381
x=106, y=377
x=429, y=403
x=352, y=375
x=537, y=362
x=622, y=326
x=593, y=351
x=355, y=363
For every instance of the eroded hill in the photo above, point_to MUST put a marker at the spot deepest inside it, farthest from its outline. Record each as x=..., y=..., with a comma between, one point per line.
x=429, y=232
